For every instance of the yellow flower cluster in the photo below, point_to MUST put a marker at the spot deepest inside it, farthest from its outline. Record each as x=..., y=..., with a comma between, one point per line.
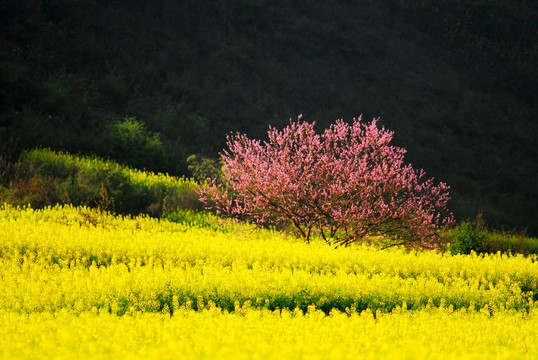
x=262, y=334
x=78, y=255
x=191, y=291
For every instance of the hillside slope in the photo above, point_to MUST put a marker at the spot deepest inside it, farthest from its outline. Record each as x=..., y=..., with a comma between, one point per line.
x=456, y=81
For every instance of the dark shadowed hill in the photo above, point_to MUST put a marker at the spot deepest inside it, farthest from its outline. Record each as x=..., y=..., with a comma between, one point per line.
x=151, y=82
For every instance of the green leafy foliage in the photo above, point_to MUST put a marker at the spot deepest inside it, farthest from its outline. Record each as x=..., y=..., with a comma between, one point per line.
x=133, y=144
x=44, y=177
x=468, y=236
x=474, y=236
x=203, y=168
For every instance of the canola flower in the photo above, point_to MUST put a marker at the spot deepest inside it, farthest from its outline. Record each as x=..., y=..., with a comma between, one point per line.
x=262, y=334
x=133, y=262
x=81, y=283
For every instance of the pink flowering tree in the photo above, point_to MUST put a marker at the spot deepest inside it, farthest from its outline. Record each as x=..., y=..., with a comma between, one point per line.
x=345, y=185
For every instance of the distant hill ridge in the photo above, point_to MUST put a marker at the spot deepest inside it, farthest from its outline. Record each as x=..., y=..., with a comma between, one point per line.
x=151, y=82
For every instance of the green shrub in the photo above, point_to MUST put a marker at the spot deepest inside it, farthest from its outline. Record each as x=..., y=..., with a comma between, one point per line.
x=131, y=143
x=532, y=244
x=202, y=167
x=474, y=236
x=45, y=177
x=469, y=236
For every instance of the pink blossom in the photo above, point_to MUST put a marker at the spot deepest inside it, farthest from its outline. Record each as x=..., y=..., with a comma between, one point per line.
x=347, y=184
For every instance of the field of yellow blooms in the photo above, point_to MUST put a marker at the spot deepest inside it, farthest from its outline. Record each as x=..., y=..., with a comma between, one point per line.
x=80, y=283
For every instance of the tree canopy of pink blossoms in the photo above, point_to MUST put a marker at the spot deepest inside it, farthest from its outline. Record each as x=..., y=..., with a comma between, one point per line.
x=345, y=185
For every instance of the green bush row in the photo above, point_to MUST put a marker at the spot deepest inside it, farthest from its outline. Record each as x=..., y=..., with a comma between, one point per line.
x=45, y=177
x=473, y=235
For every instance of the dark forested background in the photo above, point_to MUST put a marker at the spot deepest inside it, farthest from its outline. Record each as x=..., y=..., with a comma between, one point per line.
x=150, y=82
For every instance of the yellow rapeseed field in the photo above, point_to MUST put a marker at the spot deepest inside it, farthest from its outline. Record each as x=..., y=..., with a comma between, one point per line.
x=80, y=283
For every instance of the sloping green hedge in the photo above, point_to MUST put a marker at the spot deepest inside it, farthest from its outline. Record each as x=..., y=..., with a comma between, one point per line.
x=44, y=177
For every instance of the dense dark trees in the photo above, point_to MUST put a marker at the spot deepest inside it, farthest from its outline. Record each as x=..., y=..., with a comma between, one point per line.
x=456, y=81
